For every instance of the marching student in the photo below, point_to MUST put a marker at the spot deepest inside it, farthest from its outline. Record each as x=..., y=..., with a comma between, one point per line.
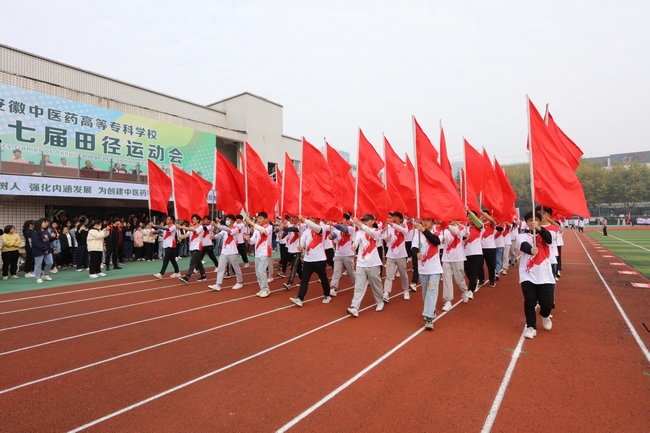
x=489, y=249
x=315, y=260
x=553, y=227
x=169, y=246
x=95, y=244
x=284, y=257
x=262, y=237
x=425, y=246
x=241, y=241
x=396, y=255
x=328, y=244
x=473, y=251
x=293, y=230
x=229, y=252
x=453, y=263
x=514, y=251
x=507, y=243
x=207, y=242
x=368, y=264
x=535, y=273
x=499, y=242
x=343, y=235
x=195, y=233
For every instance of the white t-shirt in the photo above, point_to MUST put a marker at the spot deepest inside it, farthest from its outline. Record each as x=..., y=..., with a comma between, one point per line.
x=196, y=237
x=327, y=242
x=429, y=264
x=366, y=240
x=262, y=240
x=169, y=237
x=293, y=238
x=205, y=240
x=229, y=240
x=312, y=244
x=536, y=269
x=409, y=235
x=487, y=236
x=453, y=246
x=396, y=241
x=344, y=242
x=499, y=240
x=554, y=231
x=472, y=245
x=243, y=231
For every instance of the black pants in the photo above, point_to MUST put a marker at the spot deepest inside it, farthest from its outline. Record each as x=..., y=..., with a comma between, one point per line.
x=111, y=251
x=604, y=230
x=533, y=294
x=329, y=253
x=29, y=260
x=209, y=251
x=409, y=245
x=170, y=256
x=472, y=266
x=148, y=251
x=195, y=263
x=95, y=262
x=416, y=276
x=82, y=256
x=243, y=252
x=490, y=257
x=284, y=257
x=559, y=257
x=309, y=268
x=10, y=263
x=296, y=267
x=66, y=256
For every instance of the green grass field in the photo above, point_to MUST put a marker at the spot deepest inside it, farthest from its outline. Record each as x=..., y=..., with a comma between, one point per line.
x=633, y=255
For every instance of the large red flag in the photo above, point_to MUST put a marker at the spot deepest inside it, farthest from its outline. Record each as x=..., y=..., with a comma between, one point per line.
x=508, y=194
x=394, y=173
x=372, y=197
x=568, y=148
x=438, y=197
x=262, y=191
x=319, y=198
x=183, y=188
x=476, y=168
x=469, y=196
x=555, y=183
x=445, y=165
x=291, y=188
x=409, y=195
x=492, y=197
x=229, y=184
x=160, y=187
x=200, y=192
x=345, y=181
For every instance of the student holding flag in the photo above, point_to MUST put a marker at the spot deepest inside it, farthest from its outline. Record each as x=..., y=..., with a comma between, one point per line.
x=343, y=235
x=426, y=242
x=169, y=244
x=262, y=237
x=396, y=255
x=229, y=252
x=194, y=232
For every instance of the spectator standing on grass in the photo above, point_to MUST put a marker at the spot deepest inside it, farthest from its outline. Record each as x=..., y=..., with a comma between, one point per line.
x=10, y=254
x=55, y=244
x=66, y=247
x=95, y=242
x=82, y=245
x=42, y=250
x=149, y=241
x=113, y=244
x=138, y=243
x=604, y=225
x=128, y=241
x=28, y=229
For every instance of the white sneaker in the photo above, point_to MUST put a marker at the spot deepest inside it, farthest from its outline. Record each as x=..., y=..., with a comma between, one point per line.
x=447, y=306
x=353, y=311
x=258, y=293
x=175, y=275
x=101, y=274
x=159, y=276
x=380, y=307
x=470, y=294
x=39, y=281
x=237, y=286
x=465, y=297
x=94, y=275
x=102, y=266
x=546, y=323
x=215, y=287
x=203, y=262
x=79, y=270
x=504, y=272
x=246, y=265
x=296, y=301
x=397, y=274
x=414, y=287
x=269, y=280
x=47, y=278
x=327, y=299
x=54, y=271
x=265, y=293
x=30, y=275
x=407, y=295
x=344, y=273
x=530, y=333
x=333, y=292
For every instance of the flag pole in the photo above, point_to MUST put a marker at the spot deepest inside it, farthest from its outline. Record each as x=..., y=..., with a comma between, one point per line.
x=302, y=171
x=464, y=172
x=279, y=204
x=173, y=194
x=244, y=166
x=214, y=185
x=530, y=159
x=284, y=177
x=356, y=186
x=149, y=187
x=417, y=177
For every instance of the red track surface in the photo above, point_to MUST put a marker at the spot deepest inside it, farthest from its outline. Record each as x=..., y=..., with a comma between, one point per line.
x=587, y=374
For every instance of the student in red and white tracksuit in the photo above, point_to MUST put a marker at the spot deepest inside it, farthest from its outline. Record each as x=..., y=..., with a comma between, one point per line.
x=169, y=244
x=426, y=241
x=343, y=235
x=241, y=239
x=396, y=255
x=453, y=263
x=229, y=252
x=489, y=249
x=293, y=230
x=507, y=243
x=195, y=233
x=207, y=242
x=473, y=251
x=368, y=264
x=262, y=238
x=535, y=274
x=311, y=241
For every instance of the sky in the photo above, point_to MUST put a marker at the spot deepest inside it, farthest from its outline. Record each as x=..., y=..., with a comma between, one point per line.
x=337, y=66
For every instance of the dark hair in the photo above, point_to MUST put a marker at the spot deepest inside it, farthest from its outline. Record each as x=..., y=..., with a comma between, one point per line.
x=207, y=217
x=239, y=217
x=95, y=222
x=116, y=220
x=198, y=218
x=486, y=211
x=346, y=216
x=540, y=208
x=230, y=217
x=398, y=215
x=172, y=218
x=27, y=223
x=8, y=228
x=529, y=216
x=263, y=215
x=38, y=224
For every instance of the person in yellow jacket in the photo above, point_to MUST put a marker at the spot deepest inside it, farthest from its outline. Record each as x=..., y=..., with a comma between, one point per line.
x=10, y=254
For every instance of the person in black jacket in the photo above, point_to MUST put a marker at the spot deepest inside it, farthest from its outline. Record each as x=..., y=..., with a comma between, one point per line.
x=113, y=243
x=28, y=229
x=42, y=250
x=82, y=246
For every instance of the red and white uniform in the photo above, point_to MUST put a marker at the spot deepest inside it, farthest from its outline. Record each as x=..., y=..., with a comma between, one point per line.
x=262, y=240
x=487, y=236
x=312, y=243
x=169, y=237
x=196, y=238
x=344, y=242
x=554, y=231
x=229, y=240
x=327, y=242
x=429, y=264
x=243, y=231
x=206, y=240
x=499, y=240
x=409, y=235
x=293, y=238
x=453, y=244
x=367, y=240
x=396, y=243
x=536, y=269
x=472, y=245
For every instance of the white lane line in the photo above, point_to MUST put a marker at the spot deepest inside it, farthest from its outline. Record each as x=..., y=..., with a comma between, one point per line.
x=644, y=349
x=212, y=373
x=356, y=377
x=496, y=404
x=137, y=322
x=628, y=242
x=163, y=343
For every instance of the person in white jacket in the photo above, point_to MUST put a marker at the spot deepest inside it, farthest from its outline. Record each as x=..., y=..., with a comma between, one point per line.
x=95, y=243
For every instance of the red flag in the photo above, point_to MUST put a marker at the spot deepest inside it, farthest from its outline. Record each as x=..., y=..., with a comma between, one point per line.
x=160, y=187
x=200, y=191
x=492, y=196
x=469, y=195
x=475, y=167
x=183, y=187
x=445, y=165
x=568, y=148
x=372, y=197
x=229, y=184
x=319, y=198
x=555, y=183
x=394, y=169
x=508, y=194
x=409, y=195
x=262, y=192
x=291, y=188
x=438, y=197
x=344, y=180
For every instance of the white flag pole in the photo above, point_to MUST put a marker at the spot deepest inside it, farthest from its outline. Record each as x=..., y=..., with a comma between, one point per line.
x=302, y=171
x=356, y=186
x=415, y=164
